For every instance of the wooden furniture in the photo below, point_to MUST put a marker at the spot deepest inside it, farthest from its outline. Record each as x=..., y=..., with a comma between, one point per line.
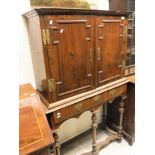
x=79, y=63
x=130, y=56
x=127, y=5
x=129, y=115
x=34, y=133
x=122, y=5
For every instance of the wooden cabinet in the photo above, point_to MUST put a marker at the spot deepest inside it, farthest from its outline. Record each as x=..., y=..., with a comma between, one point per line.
x=130, y=55
x=127, y=5
x=75, y=51
x=122, y=5
x=79, y=63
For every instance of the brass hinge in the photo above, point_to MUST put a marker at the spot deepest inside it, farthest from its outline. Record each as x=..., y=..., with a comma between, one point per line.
x=123, y=64
x=91, y=55
x=51, y=85
x=125, y=31
x=46, y=36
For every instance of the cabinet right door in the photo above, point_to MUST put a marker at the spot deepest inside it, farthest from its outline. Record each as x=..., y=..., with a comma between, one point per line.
x=110, y=48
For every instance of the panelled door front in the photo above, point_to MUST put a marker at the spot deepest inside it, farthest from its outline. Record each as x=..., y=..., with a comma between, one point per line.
x=109, y=48
x=71, y=53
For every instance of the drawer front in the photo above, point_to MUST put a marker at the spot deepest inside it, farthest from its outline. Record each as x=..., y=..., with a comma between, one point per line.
x=111, y=94
x=73, y=110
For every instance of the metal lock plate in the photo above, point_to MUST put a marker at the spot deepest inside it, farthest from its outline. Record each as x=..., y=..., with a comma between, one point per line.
x=78, y=106
x=96, y=98
x=113, y=92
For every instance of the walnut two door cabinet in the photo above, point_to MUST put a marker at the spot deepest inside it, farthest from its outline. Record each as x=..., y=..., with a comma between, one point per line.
x=79, y=62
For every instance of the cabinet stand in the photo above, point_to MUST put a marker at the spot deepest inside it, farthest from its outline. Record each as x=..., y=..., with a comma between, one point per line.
x=114, y=135
x=56, y=147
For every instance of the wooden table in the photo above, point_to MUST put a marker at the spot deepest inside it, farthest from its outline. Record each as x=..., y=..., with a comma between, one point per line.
x=35, y=136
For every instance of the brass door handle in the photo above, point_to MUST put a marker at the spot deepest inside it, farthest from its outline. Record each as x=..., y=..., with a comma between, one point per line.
x=91, y=55
x=98, y=53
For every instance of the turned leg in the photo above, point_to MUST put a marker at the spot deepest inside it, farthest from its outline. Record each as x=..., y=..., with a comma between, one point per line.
x=56, y=147
x=94, y=126
x=104, y=116
x=121, y=111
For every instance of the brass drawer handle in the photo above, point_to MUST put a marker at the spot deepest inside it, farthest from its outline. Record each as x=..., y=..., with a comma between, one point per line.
x=78, y=106
x=113, y=92
x=96, y=98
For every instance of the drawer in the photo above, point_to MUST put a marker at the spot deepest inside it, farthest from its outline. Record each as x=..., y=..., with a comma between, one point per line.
x=111, y=94
x=73, y=110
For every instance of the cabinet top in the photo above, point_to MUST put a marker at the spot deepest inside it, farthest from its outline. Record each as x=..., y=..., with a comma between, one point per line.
x=71, y=11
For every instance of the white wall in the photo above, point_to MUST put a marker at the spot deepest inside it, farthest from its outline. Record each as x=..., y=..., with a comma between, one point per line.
x=99, y=4
x=26, y=73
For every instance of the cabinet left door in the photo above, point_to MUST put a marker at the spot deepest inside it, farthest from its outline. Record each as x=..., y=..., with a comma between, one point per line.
x=70, y=54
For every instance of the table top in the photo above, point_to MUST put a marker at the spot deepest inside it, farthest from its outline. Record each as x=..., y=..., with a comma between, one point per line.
x=34, y=130
x=26, y=90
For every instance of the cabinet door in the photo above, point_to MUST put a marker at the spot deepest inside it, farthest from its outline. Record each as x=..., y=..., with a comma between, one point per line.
x=110, y=48
x=71, y=53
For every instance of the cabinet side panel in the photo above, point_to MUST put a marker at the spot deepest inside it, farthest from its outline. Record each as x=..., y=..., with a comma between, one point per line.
x=36, y=50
